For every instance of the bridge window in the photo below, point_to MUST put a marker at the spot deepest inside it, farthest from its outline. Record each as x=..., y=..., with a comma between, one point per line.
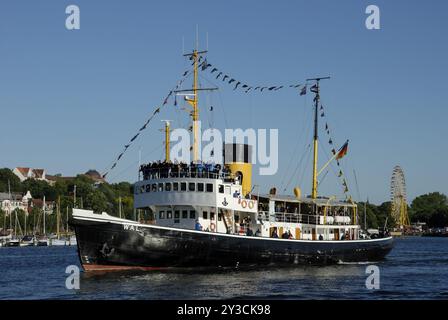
x=227, y=189
x=168, y=186
x=221, y=188
x=154, y=187
x=212, y=216
x=148, y=188
x=176, y=216
x=184, y=214
x=142, y=189
x=192, y=214
x=183, y=186
x=169, y=214
x=191, y=186
x=204, y=215
x=200, y=187
x=209, y=187
x=162, y=215
x=160, y=186
x=175, y=186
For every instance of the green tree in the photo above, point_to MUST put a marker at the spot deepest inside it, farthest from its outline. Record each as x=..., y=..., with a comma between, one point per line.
x=39, y=189
x=385, y=214
x=96, y=201
x=431, y=208
x=371, y=214
x=14, y=181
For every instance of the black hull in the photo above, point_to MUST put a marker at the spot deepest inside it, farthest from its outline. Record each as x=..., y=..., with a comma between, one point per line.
x=107, y=245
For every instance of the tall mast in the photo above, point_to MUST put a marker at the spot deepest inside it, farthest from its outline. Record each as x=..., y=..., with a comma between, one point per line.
x=119, y=206
x=44, y=208
x=58, y=216
x=9, y=205
x=195, y=114
x=74, y=196
x=195, y=56
x=167, y=140
x=195, y=107
x=365, y=214
x=316, y=134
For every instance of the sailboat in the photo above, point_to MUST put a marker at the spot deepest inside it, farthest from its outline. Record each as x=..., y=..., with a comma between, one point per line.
x=28, y=241
x=43, y=241
x=15, y=240
x=65, y=239
x=58, y=240
x=206, y=215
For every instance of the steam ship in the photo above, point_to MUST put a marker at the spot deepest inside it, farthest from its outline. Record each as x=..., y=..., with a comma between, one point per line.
x=206, y=215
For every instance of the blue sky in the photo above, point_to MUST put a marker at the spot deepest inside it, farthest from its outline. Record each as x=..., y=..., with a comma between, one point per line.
x=70, y=100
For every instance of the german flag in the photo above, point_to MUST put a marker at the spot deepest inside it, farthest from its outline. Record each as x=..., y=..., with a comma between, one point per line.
x=343, y=151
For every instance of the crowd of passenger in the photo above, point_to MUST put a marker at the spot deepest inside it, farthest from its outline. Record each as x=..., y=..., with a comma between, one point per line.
x=164, y=169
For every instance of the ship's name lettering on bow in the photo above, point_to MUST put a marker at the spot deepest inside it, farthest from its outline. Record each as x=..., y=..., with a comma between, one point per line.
x=130, y=227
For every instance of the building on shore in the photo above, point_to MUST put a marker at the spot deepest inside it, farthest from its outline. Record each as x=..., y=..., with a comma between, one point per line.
x=12, y=201
x=24, y=173
x=49, y=206
x=95, y=176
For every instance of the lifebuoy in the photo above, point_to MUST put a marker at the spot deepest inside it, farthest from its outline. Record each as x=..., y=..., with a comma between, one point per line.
x=251, y=204
x=212, y=227
x=244, y=203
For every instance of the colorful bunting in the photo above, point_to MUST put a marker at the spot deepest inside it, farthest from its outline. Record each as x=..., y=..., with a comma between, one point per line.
x=156, y=110
x=246, y=87
x=237, y=84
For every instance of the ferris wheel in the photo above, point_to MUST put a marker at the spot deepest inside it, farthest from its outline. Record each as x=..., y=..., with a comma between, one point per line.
x=398, y=198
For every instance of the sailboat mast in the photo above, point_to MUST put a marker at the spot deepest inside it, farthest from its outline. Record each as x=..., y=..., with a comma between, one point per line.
x=365, y=216
x=9, y=205
x=119, y=206
x=43, y=209
x=15, y=223
x=58, y=216
x=74, y=196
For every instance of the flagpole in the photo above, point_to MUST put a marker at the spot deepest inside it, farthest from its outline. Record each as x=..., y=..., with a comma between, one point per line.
x=326, y=165
x=336, y=155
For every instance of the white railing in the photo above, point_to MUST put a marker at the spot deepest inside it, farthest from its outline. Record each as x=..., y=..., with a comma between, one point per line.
x=154, y=174
x=303, y=218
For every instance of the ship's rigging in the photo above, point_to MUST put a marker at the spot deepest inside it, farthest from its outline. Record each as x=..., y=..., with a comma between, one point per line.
x=200, y=63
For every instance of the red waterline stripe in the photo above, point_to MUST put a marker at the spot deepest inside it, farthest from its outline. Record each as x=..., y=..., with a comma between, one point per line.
x=99, y=267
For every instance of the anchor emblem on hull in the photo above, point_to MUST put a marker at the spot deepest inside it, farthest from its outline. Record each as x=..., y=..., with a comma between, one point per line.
x=225, y=203
x=106, y=251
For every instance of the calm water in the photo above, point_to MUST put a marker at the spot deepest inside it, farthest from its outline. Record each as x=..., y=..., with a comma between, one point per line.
x=417, y=268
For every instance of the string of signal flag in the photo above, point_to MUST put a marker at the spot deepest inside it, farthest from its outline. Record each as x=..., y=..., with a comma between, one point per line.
x=203, y=66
